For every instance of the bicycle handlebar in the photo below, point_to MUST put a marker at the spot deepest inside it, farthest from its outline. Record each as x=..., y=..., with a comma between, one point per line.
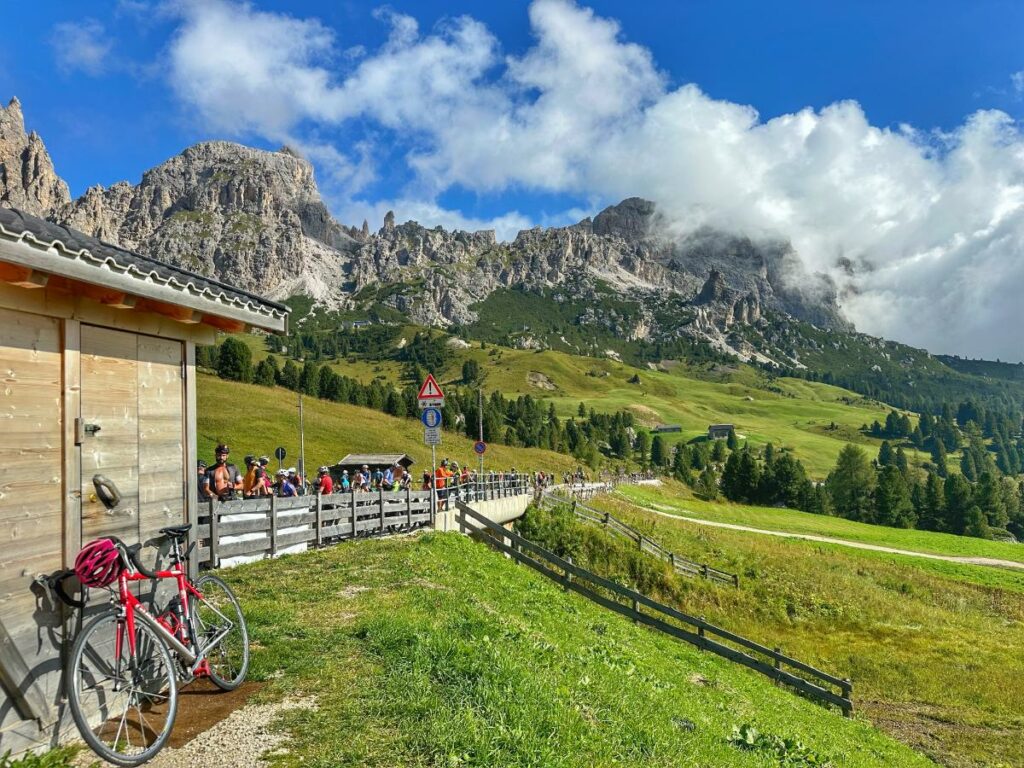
x=132, y=555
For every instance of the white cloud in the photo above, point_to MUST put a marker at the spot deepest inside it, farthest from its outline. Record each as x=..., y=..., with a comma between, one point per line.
x=81, y=45
x=1017, y=81
x=939, y=217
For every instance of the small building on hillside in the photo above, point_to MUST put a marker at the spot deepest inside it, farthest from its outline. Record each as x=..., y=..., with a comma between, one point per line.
x=355, y=461
x=719, y=431
x=97, y=353
x=667, y=428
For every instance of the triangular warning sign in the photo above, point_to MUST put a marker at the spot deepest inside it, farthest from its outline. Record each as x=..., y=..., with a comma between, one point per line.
x=430, y=390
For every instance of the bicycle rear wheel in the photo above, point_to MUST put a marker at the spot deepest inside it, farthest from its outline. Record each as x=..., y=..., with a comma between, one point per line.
x=125, y=714
x=218, y=614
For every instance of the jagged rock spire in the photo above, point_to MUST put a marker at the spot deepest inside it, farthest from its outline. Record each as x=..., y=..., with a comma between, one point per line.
x=27, y=178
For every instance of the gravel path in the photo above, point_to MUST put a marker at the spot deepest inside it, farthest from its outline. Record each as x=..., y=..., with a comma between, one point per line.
x=238, y=741
x=987, y=561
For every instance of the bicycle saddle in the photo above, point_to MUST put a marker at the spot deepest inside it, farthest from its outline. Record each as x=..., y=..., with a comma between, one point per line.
x=177, y=531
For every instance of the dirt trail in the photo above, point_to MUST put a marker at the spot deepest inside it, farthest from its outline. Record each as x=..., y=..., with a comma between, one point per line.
x=987, y=561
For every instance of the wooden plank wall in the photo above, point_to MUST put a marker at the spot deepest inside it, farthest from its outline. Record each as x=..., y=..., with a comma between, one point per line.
x=31, y=495
x=110, y=400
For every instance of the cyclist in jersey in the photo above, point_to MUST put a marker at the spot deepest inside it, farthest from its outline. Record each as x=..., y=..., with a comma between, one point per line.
x=224, y=478
x=204, y=481
x=326, y=482
x=284, y=484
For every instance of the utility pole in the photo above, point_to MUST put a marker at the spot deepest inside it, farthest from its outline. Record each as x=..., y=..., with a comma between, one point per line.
x=302, y=446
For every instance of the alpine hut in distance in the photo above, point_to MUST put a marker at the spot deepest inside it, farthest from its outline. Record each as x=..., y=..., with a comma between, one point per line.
x=97, y=355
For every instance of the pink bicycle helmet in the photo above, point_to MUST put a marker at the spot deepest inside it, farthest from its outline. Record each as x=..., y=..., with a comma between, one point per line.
x=98, y=564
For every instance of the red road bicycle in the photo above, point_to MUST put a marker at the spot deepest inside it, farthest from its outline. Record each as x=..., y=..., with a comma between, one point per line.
x=122, y=678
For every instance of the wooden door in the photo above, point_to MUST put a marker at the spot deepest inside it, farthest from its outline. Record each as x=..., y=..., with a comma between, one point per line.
x=31, y=520
x=133, y=414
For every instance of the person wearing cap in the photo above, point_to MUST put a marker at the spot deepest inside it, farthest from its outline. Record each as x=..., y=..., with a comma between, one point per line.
x=441, y=475
x=224, y=479
x=266, y=476
x=346, y=484
x=325, y=483
x=364, y=478
x=388, y=480
x=204, y=481
x=249, y=481
x=284, y=483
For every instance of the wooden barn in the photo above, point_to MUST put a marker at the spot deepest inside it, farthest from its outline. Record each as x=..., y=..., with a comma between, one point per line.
x=97, y=361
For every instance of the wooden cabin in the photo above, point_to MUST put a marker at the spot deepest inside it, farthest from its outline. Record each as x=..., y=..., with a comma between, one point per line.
x=719, y=431
x=97, y=361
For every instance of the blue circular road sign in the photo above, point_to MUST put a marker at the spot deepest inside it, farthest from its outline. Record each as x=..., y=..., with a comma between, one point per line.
x=480, y=446
x=431, y=417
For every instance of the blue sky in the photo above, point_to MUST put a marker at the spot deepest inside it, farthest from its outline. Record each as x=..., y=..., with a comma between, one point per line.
x=925, y=63
x=882, y=134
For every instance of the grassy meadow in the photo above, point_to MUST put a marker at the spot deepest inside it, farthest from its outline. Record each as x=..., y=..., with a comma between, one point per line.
x=931, y=647
x=253, y=419
x=435, y=651
x=676, y=498
x=814, y=420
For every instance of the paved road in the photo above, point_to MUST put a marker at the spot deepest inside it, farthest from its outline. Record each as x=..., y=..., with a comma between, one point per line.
x=987, y=561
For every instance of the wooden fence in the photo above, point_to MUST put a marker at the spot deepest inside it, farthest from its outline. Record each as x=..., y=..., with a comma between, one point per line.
x=772, y=663
x=268, y=526
x=612, y=524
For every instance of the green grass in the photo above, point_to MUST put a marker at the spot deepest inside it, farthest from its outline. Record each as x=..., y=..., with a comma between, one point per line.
x=435, y=651
x=674, y=498
x=932, y=651
x=253, y=419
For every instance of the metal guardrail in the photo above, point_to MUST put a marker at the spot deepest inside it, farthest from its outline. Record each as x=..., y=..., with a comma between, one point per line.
x=770, y=662
x=680, y=564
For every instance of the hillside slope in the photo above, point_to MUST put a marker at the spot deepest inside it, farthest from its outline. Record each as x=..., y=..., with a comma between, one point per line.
x=256, y=420
x=930, y=646
x=435, y=650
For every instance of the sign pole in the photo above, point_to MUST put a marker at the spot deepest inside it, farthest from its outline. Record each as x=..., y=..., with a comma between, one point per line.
x=433, y=482
x=480, y=413
x=302, y=446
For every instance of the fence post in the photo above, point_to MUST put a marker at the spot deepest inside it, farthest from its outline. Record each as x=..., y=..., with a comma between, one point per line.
x=319, y=520
x=353, y=507
x=636, y=609
x=380, y=502
x=408, y=508
x=214, y=534
x=606, y=518
x=700, y=632
x=672, y=557
x=568, y=574
x=704, y=570
x=273, y=526
x=778, y=664
x=847, y=688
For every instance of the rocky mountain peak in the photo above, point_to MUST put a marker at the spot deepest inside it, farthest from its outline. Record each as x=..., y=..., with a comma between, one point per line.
x=27, y=178
x=632, y=219
x=714, y=289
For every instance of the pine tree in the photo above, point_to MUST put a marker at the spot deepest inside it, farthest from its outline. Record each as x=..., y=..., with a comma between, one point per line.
x=901, y=462
x=988, y=496
x=707, y=485
x=266, y=372
x=975, y=523
x=932, y=514
x=681, y=469
x=643, y=445
x=234, y=361
x=957, y=502
x=732, y=442
x=659, y=457
x=718, y=451
x=289, y=375
x=939, y=456
x=886, y=457
x=892, y=500
x=850, y=485
x=967, y=466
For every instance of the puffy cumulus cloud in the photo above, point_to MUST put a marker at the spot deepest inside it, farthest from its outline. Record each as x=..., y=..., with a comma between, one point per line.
x=923, y=231
x=81, y=45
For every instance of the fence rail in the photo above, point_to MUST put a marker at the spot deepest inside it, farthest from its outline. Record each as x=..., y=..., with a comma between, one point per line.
x=267, y=526
x=770, y=662
x=680, y=564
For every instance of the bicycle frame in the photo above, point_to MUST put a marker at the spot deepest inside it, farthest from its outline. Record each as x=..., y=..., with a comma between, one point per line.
x=132, y=607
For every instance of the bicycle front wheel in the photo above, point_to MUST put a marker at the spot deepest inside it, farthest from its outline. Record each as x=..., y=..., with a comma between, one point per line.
x=221, y=633
x=123, y=707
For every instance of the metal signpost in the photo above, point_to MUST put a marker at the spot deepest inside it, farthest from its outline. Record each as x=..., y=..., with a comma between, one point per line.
x=480, y=421
x=279, y=454
x=431, y=400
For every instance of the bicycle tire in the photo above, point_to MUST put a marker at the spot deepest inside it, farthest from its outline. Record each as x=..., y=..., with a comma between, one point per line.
x=153, y=688
x=229, y=660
